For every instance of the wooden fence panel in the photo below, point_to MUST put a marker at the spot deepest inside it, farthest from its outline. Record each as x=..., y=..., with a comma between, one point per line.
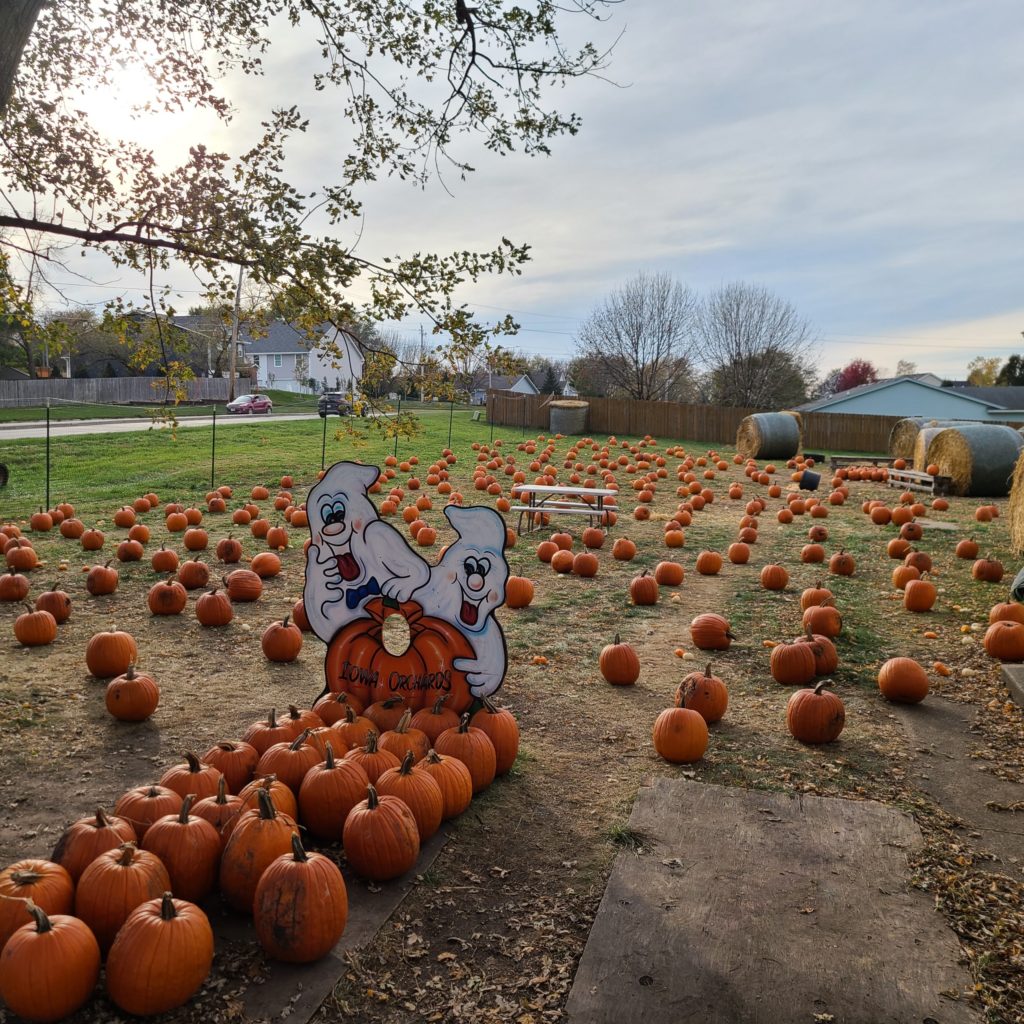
x=107, y=390
x=706, y=424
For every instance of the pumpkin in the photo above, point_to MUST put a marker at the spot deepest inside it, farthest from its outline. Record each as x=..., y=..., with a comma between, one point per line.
x=44, y=882
x=386, y=714
x=473, y=747
x=405, y=738
x=301, y=906
x=354, y=729
x=72, y=528
x=280, y=795
x=145, y=804
x=132, y=697
x=710, y=632
x=823, y=619
x=585, y=564
x=380, y=837
x=263, y=735
x=50, y=967
x=84, y=840
x=189, y=847
x=421, y=794
x=243, y=585
x=704, y=693
x=281, y=641
x=643, y=589
x=668, y=574
x=130, y=551
x=113, y=885
x=619, y=663
x=1006, y=611
x=328, y=792
x=826, y=658
x=191, y=777
x=680, y=735
x=358, y=662
x=624, y=550
x=815, y=715
x=259, y=837
x=503, y=729
x=793, y=664
x=434, y=720
x=266, y=564
x=546, y=550
x=903, y=574
x=168, y=597
x=919, y=595
x=14, y=586
x=774, y=577
x=331, y=707
x=593, y=537
x=372, y=760
x=562, y=561
x=903, y=680
x=289, y=761
x=228, y=549
x=709, y=563
x=161, y=956
x=220, y=809
x=841, y=564
x=1005, y=640
x=193, y=574
x=967, y=548
x=42, y=522
x=213, y=609
x=518, y=591
x=920, y=560
x=988, y=570
x=34, y=628
x=454, y=780
x=235, y=760
x=164, y=560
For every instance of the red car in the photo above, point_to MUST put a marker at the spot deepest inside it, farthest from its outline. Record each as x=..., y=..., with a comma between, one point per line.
x=251, y=403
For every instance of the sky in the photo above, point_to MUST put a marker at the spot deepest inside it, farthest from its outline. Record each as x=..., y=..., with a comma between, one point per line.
x=864, y=161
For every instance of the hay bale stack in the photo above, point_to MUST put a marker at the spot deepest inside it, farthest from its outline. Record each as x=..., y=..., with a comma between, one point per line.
x=1015, y=512
x=769, y=435
x=903, y=436
x=979, y=458
x=925, y=436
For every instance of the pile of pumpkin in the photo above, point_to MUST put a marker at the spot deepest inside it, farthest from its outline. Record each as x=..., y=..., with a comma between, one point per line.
x=125, y=886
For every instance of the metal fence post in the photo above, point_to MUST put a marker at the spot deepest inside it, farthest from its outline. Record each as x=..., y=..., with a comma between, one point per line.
x=397, y=416
x=451, y=416
x=48, y=453
x=213, y=450
x=323, y=447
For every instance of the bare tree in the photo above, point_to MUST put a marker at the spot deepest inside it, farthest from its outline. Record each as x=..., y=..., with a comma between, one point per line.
x=754, y=346
x=639, y=337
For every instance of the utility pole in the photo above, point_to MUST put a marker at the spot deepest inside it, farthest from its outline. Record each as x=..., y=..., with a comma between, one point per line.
x=234, y=338
x=422, y=360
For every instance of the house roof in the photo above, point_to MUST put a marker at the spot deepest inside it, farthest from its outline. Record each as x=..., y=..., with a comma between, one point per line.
x=863, y=389
x=1001, y=397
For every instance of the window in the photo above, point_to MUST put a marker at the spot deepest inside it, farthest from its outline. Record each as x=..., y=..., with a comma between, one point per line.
x=256, y=361
x=277, y=360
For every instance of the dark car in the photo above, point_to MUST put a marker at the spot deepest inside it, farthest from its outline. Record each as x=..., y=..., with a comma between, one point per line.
x=251, y=404
x=333, y=403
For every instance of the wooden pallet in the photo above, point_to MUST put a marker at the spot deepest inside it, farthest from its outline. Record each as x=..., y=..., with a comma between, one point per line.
x=914, y=480
x=838, y=461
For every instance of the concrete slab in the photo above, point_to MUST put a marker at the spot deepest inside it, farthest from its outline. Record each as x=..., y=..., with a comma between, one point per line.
x=749, y=907
x=296, y=991
x=941, y=739
x=1013, y=677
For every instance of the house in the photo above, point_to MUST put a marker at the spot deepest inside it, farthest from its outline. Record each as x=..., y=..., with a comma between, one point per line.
x=922, y=395
x=288, y=360
x=484, y=381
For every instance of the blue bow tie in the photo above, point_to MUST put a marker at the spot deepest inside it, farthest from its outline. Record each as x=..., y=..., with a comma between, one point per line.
x=354, y=595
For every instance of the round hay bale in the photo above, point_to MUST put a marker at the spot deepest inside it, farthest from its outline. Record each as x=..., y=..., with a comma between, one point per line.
x=979, y=458
x=903, y=435
x=1015, y=511
x=568, y=416
x=769, y=435
x=925, y=436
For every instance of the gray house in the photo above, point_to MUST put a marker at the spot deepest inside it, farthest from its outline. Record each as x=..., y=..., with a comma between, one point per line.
x=284, y=359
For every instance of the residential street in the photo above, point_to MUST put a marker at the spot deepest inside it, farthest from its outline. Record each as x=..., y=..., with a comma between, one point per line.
x=64, y=428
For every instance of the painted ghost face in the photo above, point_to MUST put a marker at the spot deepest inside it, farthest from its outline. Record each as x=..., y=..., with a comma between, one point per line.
x=344, y=511
x=475, y=565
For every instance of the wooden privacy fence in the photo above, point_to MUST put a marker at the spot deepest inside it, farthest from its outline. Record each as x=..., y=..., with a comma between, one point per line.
x=107, y=390
x=707, y=423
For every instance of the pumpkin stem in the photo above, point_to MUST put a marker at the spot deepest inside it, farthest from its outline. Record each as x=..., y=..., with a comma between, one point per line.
x=222, y=791
x=821, y=686
x=300, y=739
x=403, y=722
x=617, y=639
x=25, y=877
x=168, y=911
x=293, y=712
x=491, y=707
x=407, y=763
x=130, y=674
x=392, y=701
x=185, y=808
x=127, y=853
x=194, y=764
x=42, y=921
x=438, y=704
x=372, y=801
x=464, y=723
x=284, y=622
x=371, y=743
x=267, y=810
x=707, y=671
x=101, y=819
x=298, y=851
x=350, y=715
x=329, y=757
x=433, y=757
x=272, y=718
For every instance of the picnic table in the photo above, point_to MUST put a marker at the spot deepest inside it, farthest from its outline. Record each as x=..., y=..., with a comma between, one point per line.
x=560, y=500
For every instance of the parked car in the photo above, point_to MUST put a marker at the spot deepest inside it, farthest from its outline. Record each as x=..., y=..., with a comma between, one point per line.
x=251, y=404
x=333, y=403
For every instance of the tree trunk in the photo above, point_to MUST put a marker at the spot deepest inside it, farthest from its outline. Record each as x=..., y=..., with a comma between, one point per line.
x=17, y=19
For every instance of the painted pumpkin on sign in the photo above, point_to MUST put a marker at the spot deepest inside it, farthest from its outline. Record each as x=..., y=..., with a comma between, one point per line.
x=359, y=663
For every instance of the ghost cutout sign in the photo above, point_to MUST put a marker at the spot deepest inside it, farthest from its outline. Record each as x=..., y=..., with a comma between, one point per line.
x=361, y=570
